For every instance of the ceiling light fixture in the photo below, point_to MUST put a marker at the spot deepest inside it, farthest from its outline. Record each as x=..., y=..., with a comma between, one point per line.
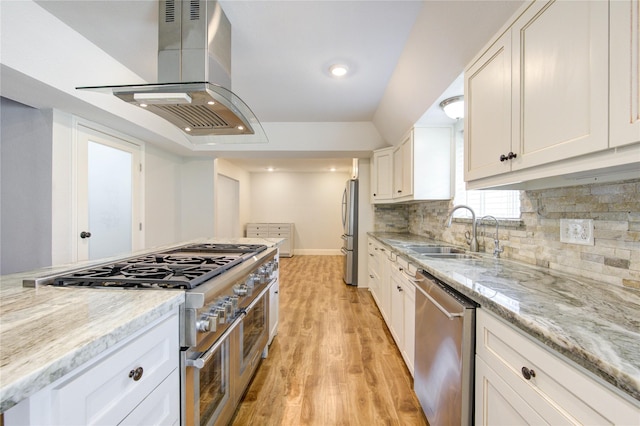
x=338, y=70
x=453, y=107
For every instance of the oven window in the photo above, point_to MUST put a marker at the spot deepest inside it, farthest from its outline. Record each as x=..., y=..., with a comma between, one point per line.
x=253, y=327
x=214, y=384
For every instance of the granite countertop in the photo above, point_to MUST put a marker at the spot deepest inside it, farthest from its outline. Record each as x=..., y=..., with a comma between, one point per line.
x=46, y=332
x=595, y=325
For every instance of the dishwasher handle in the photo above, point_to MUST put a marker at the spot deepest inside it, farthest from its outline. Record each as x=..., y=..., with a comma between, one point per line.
x=450, y=315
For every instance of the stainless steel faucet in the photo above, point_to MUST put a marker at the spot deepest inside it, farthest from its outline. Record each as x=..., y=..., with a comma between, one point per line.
x=496, y=243
x=472, y=240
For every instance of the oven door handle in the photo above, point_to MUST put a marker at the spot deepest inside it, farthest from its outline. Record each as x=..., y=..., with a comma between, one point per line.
x=206, y=356
x=246, y=310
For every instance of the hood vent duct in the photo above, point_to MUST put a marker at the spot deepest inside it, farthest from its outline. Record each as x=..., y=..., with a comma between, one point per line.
x=194, y=74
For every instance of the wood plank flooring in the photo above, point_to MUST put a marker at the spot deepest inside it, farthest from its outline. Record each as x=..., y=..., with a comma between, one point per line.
x=333, y=361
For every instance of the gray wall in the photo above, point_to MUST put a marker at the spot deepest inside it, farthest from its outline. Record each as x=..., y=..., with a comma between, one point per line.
x=25, y=189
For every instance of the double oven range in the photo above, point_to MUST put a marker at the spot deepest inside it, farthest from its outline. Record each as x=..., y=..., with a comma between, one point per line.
x=224, y=321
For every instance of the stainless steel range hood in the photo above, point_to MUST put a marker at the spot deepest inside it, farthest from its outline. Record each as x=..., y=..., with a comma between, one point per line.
x=194, y=73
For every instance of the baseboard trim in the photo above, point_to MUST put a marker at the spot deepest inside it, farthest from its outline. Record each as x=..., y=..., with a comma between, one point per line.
x=318, y=252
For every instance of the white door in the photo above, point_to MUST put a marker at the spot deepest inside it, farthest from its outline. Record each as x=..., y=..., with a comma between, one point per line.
x=228, y=208
x=108, y=195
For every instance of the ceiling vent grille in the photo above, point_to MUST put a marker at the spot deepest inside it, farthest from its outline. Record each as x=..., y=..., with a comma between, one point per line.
x=197, y=116
x=194, y=10
x=170, y=11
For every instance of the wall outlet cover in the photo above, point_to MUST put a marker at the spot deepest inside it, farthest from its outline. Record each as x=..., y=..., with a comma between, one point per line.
x=577, y=231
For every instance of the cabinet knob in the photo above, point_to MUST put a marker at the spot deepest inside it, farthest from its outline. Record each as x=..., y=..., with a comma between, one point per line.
x=136, y=374
x=374, y=194
x=512, y=155
x=85, y=234
x=503, y=158
x=528, y=374
x=399, y=191
x=399, y=288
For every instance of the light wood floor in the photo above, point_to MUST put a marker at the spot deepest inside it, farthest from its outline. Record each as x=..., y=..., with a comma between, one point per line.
x=333, y=361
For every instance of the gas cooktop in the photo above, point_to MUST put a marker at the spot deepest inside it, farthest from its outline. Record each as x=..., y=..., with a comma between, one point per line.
x=185, y=267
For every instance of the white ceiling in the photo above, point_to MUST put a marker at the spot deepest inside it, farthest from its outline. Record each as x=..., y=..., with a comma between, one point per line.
x=281, y=50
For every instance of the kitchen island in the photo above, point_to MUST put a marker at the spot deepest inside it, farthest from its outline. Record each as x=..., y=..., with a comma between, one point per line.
x=595, y=325
x=47, y=332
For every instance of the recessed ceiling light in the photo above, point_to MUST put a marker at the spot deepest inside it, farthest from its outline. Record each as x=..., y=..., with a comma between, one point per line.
x=338, y=70
x=143, y=105
x=211, y=103
x=187, y=129
x=332, y=169
x=270, y=169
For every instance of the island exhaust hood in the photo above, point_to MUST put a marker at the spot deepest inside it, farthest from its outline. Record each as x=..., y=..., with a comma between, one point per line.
x=194, y=73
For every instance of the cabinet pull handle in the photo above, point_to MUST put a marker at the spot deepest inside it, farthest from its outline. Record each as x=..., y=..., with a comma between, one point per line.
x=528, y=374
x=136, y=374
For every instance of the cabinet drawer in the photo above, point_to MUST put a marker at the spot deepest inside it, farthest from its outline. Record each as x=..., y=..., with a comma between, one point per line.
x=279, y=227
x=257, y=234
x=162, y=407
x=105, y=392
x=568, y=394
x=257, y=227
x=273, y=234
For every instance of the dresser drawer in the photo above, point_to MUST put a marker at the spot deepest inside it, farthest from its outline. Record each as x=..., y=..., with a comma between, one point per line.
x=257, y=227
x=279, y=227
x=560, y=390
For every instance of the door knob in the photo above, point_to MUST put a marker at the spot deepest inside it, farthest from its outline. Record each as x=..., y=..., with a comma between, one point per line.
x=85, y=234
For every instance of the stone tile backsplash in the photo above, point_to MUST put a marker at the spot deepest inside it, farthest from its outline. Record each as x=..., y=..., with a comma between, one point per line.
x=535, y=238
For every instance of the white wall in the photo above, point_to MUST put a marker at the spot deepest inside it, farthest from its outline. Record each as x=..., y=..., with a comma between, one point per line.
x=197, y=198
x=25, y=187
x=312, y=201
x=162, y=197
x=225, y=168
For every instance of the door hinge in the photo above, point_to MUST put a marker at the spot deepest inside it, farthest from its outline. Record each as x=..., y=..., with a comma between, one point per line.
x=140, y=226
x=140, y=166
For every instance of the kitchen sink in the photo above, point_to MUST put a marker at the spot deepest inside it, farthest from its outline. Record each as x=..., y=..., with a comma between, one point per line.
x=435, y=249
x=458, y=255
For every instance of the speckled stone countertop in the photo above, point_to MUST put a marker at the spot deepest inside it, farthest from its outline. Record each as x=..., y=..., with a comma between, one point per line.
x=595, y=325
x=46, y=332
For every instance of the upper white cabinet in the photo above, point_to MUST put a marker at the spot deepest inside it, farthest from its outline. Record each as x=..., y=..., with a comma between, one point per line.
x=381, y=175
x=421, y=166
x=625, y=91
x=537, y=99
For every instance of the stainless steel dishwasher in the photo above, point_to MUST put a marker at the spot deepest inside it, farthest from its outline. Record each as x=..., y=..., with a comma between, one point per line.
x=445, y=347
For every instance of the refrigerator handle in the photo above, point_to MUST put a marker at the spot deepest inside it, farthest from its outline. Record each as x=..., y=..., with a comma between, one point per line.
x=344, y=209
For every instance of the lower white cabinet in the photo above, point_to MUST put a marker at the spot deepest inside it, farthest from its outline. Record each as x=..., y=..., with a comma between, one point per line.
x=274, y=307
x=136, y=382
x=403, y=310
x=519, y=381
x=274, y=230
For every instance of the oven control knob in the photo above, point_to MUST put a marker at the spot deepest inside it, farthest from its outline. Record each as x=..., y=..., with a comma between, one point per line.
x=206, y=323
x=221, y=315
x=234, y=302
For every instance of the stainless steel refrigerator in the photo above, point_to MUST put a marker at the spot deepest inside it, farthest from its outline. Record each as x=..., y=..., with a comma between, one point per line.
x=350, y=232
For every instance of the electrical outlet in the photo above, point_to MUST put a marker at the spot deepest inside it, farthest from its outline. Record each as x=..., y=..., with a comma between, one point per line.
x=576, y=231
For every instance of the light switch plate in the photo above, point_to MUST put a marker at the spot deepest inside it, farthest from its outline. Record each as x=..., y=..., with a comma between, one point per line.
x=576, y=231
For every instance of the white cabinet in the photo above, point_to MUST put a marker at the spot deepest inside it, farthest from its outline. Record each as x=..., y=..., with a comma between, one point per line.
x=624, y=72
x=136, y=382
x=422, y=165
x=274, y=308
x=379, y=268
x=381, y=183
x=403, y=309
x=537, y=99
x=274, y=230
x=519, y=381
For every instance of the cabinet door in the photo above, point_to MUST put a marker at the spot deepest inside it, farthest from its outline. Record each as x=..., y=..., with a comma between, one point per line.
x=560, y=81
x=498, y=404
x=403, y=168
x=409, y=325
x=624, y=72
x=381, y=182
x=162, y=407
x=397, y=309
x=488, y=112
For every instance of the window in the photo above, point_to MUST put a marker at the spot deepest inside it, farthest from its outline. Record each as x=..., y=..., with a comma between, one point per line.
x=499, y=203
